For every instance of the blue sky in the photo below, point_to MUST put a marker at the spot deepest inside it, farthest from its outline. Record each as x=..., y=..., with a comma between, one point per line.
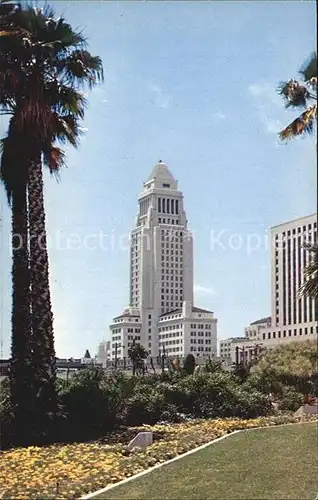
x=192, y=84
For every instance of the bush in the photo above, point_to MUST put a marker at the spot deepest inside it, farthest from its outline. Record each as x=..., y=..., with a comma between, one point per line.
x=218, y=395
x=293, y=364
x=148, y=405
x=6, y=415
x=91, y=403
x=94, y=403
x=290, y=400
x=189, y=364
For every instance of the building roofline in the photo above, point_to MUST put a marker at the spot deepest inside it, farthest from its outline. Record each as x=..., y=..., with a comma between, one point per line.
x=174, y=311
x=267, y=319
x=194, y=310
x=127, y=315
x=294, y=220
x=199, y=309
x=233, y=338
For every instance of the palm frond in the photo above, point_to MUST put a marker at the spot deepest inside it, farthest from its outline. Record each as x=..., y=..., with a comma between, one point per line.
x=65, y=129
x=309, y=69
x=13, y=170
x=7, y=7
x=80, y=68
x=47, y=107
x=311, y=247
x=309, y=288
x=303, y=124
x=65, y=99
x=294, y=94
x=54, y=159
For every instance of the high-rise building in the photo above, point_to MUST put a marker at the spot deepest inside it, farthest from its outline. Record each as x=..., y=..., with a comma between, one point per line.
x=294, y=317
x=161, y=314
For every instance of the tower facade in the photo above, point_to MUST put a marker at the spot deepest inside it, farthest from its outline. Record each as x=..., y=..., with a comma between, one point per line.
x=161, y=267
x=294, y=317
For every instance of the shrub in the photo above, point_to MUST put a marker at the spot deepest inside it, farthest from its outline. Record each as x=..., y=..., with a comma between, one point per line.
x=148, y=405
x=189, y=364
x=293, y=360
x=212, y=366
x=218, y=395
x=91, y=403
x=290, y=400
x=6, y=415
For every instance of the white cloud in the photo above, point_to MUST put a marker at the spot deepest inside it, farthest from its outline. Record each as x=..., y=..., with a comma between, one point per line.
x=265, y=93
x=273, y=126
x=255, y=89
x=160, y=98
x=268, y=104
x=204, y=289
x=219, y=115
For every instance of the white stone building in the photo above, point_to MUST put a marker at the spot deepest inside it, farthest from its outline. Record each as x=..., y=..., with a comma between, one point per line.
x=161, y=314
x=225, y=347
x=293, y=317
x=103, y=352
x=254, y=330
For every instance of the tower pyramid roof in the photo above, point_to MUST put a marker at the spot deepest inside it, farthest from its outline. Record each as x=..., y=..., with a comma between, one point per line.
x=160, y=172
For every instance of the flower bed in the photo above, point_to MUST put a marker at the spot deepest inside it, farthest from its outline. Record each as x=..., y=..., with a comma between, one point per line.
x=69, y=471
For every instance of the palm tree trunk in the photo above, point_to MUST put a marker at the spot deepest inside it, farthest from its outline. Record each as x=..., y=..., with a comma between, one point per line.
x=21, y=362
x=42, y=318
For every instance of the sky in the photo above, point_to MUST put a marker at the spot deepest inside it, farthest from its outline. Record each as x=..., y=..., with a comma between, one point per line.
x=193, y=84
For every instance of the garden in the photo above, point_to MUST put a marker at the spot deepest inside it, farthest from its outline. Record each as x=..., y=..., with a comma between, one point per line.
x=72, y=470
x=99, y=414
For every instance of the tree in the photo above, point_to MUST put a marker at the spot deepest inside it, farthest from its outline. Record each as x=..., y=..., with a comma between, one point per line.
x=212, y=366
x=189, y=364
x=44, y=65
x=20, y=372
x=301, y=95
x=137, y=354
x=293, y=364
x=176, y=365
x=310, y=286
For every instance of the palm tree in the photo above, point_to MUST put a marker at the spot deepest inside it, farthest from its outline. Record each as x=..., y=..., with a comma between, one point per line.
x=43, y=94
x=15, y=181
x=301, y=95
x=310, y=286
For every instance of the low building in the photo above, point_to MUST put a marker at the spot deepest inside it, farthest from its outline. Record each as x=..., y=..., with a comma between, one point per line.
x=226, y=347
x=188, y=330
x=254, y=330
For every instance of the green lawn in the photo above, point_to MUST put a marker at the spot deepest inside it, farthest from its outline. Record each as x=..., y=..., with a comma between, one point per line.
x=271, y=463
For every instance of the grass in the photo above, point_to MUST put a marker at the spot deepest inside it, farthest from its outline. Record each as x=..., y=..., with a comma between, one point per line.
x=270, y=463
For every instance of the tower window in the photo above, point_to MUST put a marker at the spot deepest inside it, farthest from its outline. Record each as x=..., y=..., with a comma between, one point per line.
x=177, y=207
x=165, y=185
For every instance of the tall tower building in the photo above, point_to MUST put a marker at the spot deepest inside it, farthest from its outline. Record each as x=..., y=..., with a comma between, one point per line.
x=161, y=277
x=293, y=316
